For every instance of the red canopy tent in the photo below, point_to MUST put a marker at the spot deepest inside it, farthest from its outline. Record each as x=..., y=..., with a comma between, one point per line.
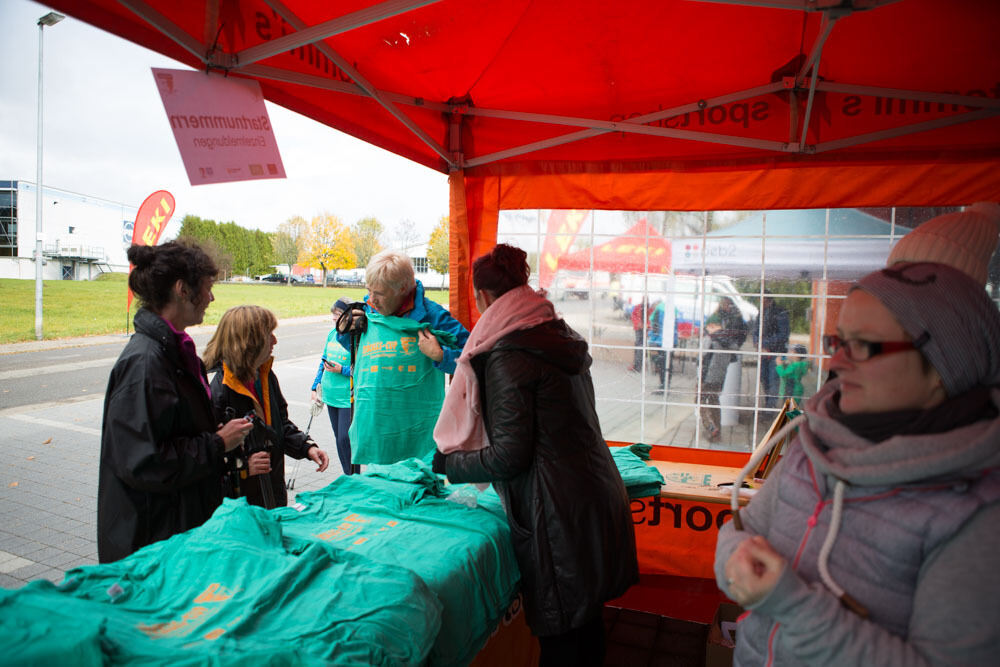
x=672, y=104
x=641, y=249
x=653, y=105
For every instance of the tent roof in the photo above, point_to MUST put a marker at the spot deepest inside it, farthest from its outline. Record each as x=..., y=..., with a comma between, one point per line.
x=641, y=249
x=691, y=84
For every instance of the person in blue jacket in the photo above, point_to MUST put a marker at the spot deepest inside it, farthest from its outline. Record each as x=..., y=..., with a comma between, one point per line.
x=393, y=290
x=332, y=385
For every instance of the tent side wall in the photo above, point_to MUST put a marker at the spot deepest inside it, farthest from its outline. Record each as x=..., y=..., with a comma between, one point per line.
x=477, y=195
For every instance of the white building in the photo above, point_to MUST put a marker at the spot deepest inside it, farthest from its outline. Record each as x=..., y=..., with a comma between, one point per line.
x=421, y=269
x=82, y=236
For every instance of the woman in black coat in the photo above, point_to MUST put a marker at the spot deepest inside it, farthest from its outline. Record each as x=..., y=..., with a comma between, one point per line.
x=162, y=451
x=240, y=353
x=520, y=414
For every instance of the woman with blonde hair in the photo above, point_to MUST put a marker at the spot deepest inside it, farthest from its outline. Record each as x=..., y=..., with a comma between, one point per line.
x=240, y=353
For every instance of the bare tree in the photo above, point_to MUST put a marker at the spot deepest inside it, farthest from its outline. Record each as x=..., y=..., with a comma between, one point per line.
x=405, y=235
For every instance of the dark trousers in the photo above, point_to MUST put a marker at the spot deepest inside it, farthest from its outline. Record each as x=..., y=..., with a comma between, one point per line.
x=580, y=647
x=637, y=355
x=769, y=382
x=340, y=420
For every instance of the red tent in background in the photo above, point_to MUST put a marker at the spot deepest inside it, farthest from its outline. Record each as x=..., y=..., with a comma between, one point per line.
x=579, y=104
x=641, y=249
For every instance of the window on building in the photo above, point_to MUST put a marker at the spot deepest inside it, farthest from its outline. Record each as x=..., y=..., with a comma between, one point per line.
x=645, y=287
x=8, y=223
x=420, y=264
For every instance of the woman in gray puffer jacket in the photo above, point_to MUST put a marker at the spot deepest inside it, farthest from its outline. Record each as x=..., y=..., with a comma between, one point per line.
x=520, y=413
x=875, y=540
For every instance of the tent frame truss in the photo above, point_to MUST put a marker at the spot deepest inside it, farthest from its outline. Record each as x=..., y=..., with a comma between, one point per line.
x=805, y=82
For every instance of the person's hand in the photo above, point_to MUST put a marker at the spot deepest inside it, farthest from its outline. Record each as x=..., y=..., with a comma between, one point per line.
x=313, y=397
x=259, y=463
x=429, y=345
x=319, y=457
x=234, y=432
x=753, y=571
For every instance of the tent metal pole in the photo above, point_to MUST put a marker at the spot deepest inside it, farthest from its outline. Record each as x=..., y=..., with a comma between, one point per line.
x=329, y=28
x=812, y=63
x=918, y=95
x=904, y=130
x=167, y=27
x=367, y=86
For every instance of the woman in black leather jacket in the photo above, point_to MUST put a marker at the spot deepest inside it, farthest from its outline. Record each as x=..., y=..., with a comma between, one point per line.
x=528, y=375
x=161, y=448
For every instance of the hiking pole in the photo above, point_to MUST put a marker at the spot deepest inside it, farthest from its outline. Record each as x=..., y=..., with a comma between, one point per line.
x=314, y=410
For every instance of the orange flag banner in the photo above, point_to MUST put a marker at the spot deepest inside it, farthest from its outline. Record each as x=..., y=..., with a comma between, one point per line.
x=150, y=222
x=562, y=229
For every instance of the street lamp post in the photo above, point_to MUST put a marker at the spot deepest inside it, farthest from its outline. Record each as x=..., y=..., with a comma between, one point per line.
x=49, y=19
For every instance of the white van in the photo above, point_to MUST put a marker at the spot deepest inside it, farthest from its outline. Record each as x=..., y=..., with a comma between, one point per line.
x=693, y=298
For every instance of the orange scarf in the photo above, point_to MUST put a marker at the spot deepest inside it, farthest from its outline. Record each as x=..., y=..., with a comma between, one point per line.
x=234, y=383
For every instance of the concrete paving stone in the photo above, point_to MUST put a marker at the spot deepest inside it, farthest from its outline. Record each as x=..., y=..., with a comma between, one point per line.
x=80, y=529
x=81, y=561
x=46, y=553
x=29, y=571
x=6, y=556
x=79, y=546
x=7, y=581
x=10, y=543
x=54, y=575
x=14, y=564
x=46, y=535
x=24, y=549
x=60, y=560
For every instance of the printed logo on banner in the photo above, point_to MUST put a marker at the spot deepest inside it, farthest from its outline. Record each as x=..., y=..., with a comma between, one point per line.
x=658, y=511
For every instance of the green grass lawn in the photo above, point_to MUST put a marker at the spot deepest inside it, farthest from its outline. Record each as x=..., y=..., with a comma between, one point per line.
x=86, y=308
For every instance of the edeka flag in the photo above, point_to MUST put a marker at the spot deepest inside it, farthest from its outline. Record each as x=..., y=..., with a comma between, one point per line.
x=150, y=222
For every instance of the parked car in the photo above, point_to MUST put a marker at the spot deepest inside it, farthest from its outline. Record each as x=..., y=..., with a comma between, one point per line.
x=274, y=278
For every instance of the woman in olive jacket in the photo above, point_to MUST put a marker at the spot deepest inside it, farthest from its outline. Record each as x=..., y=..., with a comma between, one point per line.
x=520, y=413
x=161, y=449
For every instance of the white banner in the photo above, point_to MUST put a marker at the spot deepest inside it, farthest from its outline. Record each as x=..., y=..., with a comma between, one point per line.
x=221, y=126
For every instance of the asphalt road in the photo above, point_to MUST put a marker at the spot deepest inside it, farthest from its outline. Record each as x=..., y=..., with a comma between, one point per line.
x=74, y=369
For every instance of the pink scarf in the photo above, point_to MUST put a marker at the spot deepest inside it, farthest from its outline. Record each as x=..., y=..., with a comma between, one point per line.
x=460, y=424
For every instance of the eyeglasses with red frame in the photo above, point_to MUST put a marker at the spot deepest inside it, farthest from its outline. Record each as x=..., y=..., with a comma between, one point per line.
x=858, y=349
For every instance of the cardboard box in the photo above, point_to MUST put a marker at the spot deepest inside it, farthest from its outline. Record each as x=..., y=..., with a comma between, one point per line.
x=722, y=635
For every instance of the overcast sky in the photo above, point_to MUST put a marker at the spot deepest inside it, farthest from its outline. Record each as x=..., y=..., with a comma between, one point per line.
x=106, y=135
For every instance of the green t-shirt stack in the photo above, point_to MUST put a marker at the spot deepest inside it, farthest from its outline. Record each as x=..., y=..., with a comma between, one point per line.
x=399, y=516
x=236, y=591
x=641, y=479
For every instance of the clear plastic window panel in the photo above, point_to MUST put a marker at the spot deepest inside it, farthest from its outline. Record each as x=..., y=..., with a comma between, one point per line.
x=670, y=304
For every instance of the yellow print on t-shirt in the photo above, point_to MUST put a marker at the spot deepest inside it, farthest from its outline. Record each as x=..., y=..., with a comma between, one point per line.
x=194, y=617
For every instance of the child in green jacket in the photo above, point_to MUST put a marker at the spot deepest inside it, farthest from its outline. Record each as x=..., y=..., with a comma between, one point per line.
x=791, y=371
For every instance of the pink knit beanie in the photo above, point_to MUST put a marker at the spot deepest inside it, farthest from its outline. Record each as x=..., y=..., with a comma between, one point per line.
x=964, y=241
